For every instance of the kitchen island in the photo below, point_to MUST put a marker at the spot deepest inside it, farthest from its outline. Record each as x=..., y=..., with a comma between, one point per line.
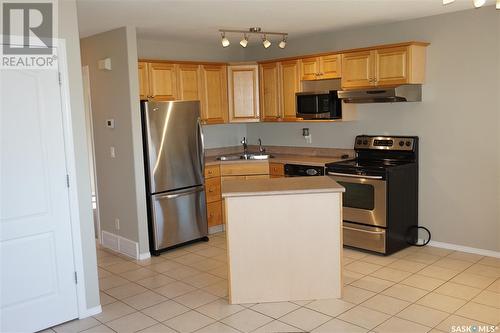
x=284, y=239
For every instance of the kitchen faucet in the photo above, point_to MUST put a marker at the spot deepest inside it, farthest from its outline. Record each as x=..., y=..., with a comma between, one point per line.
x=245, y=145
x=261, y=149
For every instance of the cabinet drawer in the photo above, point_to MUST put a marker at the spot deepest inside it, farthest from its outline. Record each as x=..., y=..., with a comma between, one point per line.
x=243, y=169
x=214, y=213
x=212, y=189
x=277, y=169
x=212, y=171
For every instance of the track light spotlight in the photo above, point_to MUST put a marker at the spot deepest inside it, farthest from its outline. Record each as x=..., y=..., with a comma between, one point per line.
x=478, y=3
x=282, y=44
x=265, y=42
x=225, y=41
x=244, y=41
x=447, y=2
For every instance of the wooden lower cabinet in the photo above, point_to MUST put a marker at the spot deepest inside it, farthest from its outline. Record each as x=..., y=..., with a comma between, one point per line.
x=212, y=189
x=276, y=170
x=213, y=195
x=244, y=169
x=224, y=178
x=214, y=213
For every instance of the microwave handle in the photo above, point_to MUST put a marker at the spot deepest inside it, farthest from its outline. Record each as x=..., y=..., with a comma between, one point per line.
x=353, y=176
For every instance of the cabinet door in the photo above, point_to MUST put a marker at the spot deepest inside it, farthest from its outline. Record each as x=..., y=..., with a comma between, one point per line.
x=276, y=170
x=143, y=80
x=269, y=92
x=330, y=66
x=189, y=82
x=214, y=213
x=243, y=83
x=214, y=104
x=162, y=81
x=290, y=84
x=391, y=66
x=357, y=70
x=310, y=69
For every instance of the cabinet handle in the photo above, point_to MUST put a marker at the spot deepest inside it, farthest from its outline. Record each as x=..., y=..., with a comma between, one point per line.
x=210, y=190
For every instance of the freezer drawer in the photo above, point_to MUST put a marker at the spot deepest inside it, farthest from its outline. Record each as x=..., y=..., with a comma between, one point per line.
x=364, y=237
x=178, y=217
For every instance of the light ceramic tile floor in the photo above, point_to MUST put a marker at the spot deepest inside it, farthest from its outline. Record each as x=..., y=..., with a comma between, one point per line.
x=185, y=290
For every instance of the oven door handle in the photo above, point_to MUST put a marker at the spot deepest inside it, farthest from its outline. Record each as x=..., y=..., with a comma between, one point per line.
x=353, y=176
x=363, y=230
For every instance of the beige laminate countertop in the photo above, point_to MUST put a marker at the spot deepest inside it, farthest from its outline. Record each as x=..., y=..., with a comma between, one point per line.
x=280, y=186
x=281, y=158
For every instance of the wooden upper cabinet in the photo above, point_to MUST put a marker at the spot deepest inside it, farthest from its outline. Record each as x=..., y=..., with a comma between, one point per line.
x=384, y=67
x=330, y=66
x=269, y=92
x=357, y=69
x=243, y=93
x=290, y=84
x=214, y=99
x=189, y=83
x=310, y=68
x=321, y=68
x=143, y=80
x=391, y=66
x=162, y=81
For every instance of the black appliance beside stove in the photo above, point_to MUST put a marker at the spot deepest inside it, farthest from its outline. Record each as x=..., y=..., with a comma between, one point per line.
x=299, y=170
x=380, y=204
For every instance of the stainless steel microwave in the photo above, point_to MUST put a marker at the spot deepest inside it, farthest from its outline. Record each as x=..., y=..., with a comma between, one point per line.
x=318, y=105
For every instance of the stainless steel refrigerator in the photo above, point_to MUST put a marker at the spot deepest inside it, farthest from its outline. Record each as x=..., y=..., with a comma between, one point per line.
x=174, y=165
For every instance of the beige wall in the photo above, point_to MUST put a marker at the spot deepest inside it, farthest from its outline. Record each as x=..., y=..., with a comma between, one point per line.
x=120, y=181
x=68, y=30
x=457, y=121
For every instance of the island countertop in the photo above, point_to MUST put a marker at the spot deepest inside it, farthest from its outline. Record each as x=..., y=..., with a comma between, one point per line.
x=280, y=186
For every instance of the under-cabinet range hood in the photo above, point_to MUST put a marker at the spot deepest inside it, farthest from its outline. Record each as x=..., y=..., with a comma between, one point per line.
x=402, y=93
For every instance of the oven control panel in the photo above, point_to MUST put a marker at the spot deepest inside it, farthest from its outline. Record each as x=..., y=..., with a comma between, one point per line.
x=384, y=142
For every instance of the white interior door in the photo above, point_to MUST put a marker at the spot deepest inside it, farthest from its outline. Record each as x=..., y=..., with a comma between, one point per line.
x=37, y=284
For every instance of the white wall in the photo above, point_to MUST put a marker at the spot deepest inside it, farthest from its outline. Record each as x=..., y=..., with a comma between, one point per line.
x=120, y=180
x=68, y=30
x=458, y=121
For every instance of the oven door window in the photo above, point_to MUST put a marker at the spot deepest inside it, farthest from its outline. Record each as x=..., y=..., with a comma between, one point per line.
x=361, y=196
x=307, y=104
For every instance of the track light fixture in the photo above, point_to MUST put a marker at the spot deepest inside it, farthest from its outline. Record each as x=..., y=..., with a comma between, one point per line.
x=244, y=41
x=265, y=42
x=282, y=44
x=476, y=3
x=225, y=42
x=256, y=31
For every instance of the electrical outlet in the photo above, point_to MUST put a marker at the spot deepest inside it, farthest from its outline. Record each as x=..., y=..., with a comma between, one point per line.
x=117, y=224
x=112, y=152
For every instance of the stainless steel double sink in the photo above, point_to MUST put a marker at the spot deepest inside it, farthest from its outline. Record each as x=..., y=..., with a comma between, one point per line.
x=244, y=157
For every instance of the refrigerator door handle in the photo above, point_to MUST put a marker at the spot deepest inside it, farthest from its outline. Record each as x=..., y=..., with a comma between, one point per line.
x=201, y=146
x=179, y=193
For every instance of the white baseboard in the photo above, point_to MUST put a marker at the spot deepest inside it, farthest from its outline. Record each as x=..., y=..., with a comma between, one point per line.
x=144, y=256
x=122, y=245
x=90, y=312
x=483, y=252
x=215, y=229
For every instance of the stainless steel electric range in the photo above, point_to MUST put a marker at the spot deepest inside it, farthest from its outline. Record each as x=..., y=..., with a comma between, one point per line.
x=380, y=204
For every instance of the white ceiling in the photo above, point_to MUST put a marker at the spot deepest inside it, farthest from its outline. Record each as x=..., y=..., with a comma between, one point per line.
x=200, y=20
